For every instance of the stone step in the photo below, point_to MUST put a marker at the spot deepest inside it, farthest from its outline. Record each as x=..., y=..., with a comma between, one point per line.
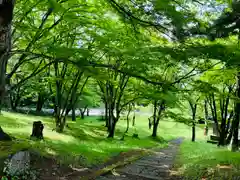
x=145, y=171
x=142, y=176
x=154, y=165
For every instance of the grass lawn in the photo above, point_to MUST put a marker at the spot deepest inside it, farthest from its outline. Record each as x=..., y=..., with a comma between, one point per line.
x=84, y=142
x=200, y=159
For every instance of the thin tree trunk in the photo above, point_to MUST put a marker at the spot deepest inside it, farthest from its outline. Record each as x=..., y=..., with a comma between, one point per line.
x=224, y=112
x=206, y=110
x=235, y=123
x=134, y=119
x=128, y=121
x=214, y=110
x=106, y=114
x=40, y=102
x=230, y=134
x=194, y=110
x=193, y=132
x=88, y=112
x=73, y=114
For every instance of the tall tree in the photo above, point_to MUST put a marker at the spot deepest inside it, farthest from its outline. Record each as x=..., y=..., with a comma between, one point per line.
x=6, y=16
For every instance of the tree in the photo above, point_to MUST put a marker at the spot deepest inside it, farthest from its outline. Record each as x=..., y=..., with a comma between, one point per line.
x=193, y=100
x=6, y=15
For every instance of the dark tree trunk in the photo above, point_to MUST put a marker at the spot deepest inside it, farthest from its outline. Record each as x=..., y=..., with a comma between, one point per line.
x=106, y=114
x=194, y=110
x=37, y=130
x=155, y=127
x=112, y=129
x=235, y=123
x=157, y=113
x=206, y=110
x=128, y=121
x=193, y=132
x=228, y=129
x=73, y=114
x=12, y=103
x=213, y=107
x=6, y=14
x=229, y=137
x=88, y=112
x=40, y=102
x=224, y=111
x=14, y=97
x=82, y=114
x=61, y=124
x=134, y=119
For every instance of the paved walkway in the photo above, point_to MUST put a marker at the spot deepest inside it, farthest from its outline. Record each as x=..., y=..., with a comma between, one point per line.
x=153, y=167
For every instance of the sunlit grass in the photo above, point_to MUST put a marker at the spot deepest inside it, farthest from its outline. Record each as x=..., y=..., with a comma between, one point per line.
x=201, y=159
x=85, y=142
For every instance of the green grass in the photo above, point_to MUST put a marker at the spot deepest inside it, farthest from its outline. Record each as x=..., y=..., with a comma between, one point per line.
x=200, y=158
x=85, y=141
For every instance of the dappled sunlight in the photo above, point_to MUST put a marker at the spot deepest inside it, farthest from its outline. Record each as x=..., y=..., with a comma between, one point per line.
x=19, y=130
x=50, y=151
x=200, y=158
x=53, y=135
x=84, y=139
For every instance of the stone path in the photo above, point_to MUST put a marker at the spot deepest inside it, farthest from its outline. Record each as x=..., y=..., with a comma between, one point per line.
x=153, y=167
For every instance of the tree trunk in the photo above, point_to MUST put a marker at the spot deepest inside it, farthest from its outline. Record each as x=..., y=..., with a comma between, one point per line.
x=82, y=114
x=206, y=110
x=13, y=103
x=228, y=129
x=73, y=114
x=88, y=112
x=230, y=134
x=61, y=124
x=224, y=112
x=193, y=132
x=155, y=127
x=128, y=121
x=157, y=117
x=133, y=121
x=40, y=102
x=6, y=15
x=193, y=107
x=235, y=123
x=213, y=107
x=112, y=129
x=106, y=114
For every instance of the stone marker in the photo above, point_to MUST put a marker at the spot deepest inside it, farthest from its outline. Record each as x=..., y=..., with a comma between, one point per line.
x=18, y=164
